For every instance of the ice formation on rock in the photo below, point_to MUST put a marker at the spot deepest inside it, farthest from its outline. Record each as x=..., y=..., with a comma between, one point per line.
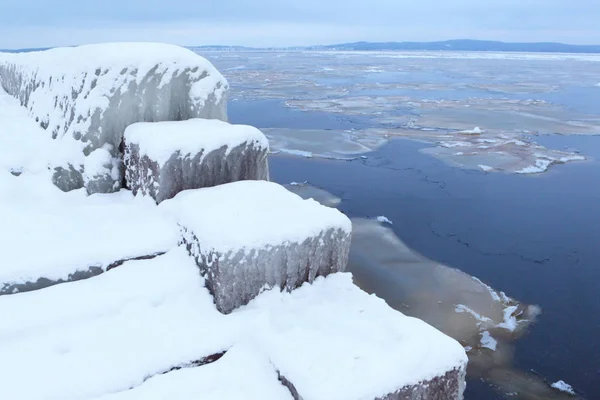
x=165, y=158
x=90, y=94
x=251, y=235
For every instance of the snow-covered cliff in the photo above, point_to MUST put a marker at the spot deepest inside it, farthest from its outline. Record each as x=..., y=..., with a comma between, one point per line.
x=90, y=94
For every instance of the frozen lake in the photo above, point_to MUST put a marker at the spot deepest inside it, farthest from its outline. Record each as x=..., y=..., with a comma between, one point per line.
x=533, y=236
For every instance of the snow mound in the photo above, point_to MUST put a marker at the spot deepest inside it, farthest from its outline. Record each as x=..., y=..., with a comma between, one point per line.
x=90, y=94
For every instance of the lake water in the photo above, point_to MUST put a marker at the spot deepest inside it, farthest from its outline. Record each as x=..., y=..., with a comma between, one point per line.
x=535, y=237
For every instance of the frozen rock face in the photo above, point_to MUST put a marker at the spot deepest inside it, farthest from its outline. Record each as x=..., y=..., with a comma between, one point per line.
x=165, y=158
x=449, y=386
x=90, y=94
x=252, y=235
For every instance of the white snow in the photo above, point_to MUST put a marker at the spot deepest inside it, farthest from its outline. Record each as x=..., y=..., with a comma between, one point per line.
x=571, y=158
x=461, y=308
x=100, y=163
x=384, y=220
x=510, y=321
x=160, y=140
x=517, y=142
x=563, y=387
x=108, y=333
x=322, y=338
x=24, y=145
x=251, y=215
x=475, y=131
x=541, y=165
x=485, y=168
x=51, y=234
x=450, y=145
x=242, y=373
x=112, y=332
x=488, y=341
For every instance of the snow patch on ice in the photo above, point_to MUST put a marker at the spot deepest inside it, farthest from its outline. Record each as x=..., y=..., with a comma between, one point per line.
x=384, y=220
x=475, y=131
x=562, y=385
x=541, y=165
x=485, y=168
x=487, y=341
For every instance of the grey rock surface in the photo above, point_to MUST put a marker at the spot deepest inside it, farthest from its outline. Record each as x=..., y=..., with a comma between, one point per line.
x=237, y=277
x=193, y=171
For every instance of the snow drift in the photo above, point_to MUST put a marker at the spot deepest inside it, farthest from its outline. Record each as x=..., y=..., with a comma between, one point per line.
x=90, y=94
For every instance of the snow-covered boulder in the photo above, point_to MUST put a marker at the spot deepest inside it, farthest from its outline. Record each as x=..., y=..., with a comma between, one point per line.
x=165, y=158
x=90, y=94
x=251, y=235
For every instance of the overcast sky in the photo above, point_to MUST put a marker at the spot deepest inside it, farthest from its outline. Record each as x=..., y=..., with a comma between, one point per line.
x=45, y=23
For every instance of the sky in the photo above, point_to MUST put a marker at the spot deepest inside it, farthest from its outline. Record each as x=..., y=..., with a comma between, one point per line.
x=49, y=23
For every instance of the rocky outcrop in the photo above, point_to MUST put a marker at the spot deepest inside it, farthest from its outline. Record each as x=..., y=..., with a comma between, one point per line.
x=165, y=158
x=101, y=89
x=253, y=235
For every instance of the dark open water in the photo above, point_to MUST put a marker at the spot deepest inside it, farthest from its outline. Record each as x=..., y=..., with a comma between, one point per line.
x=535, y=237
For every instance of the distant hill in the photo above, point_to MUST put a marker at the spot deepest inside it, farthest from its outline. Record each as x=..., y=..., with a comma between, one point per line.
x=466, y=45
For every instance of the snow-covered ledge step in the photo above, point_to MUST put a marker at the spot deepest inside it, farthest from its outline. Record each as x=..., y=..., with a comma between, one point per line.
x=251, y=235
x=165, y=158
x=48, y=237
x=113, y=332
x=109, y=333
x=242, y=373
x=330, y=340
x=86, y=96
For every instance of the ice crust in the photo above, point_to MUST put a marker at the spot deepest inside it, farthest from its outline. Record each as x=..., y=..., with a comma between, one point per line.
x=251, y=235
x=165, y=158
x=90, y=94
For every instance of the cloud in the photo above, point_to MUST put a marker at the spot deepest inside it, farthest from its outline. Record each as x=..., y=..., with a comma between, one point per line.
x=28, y=23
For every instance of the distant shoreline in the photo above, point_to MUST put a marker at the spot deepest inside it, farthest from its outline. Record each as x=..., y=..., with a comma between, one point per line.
x=448, y=45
